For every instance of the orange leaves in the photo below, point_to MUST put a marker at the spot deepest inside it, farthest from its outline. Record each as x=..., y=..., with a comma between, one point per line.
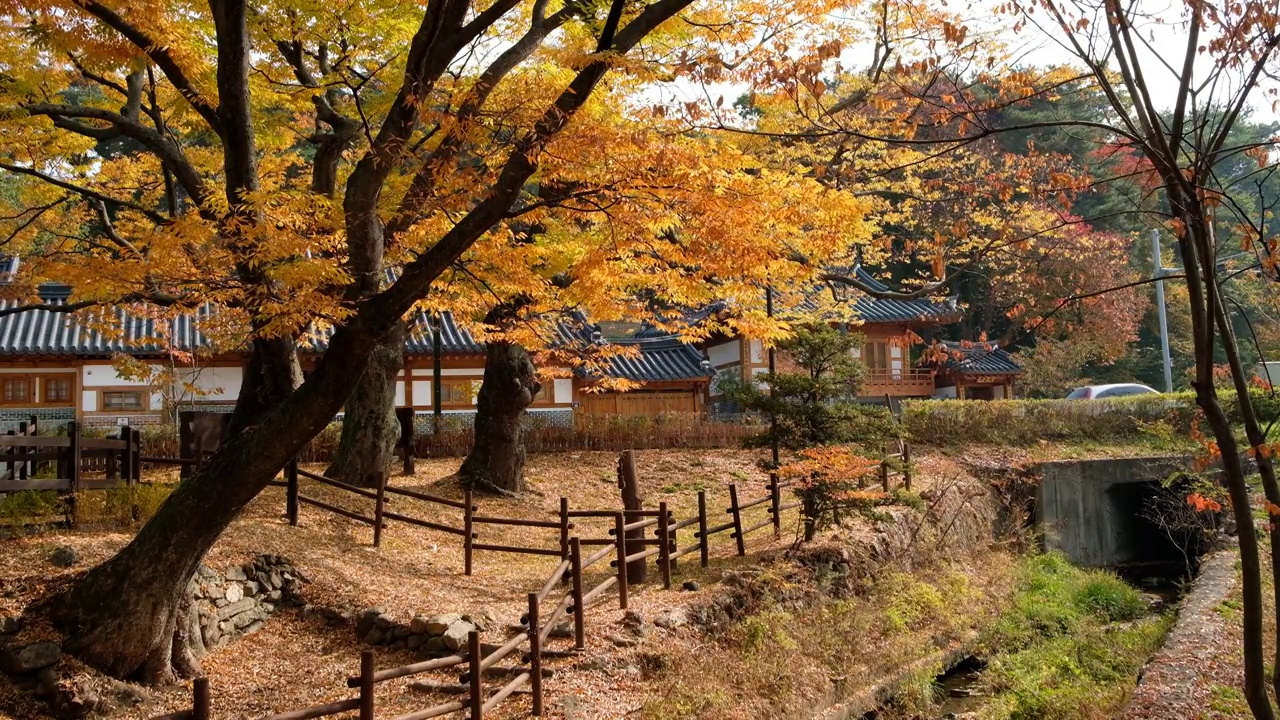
x=1203, y=504
x=1264, y=450
x=828, y=464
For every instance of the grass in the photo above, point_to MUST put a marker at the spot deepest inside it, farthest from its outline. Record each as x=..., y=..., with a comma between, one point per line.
x=782, y=658
x=1070, y=645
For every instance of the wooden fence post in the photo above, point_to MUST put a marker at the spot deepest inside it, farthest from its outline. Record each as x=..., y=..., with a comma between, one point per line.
x=704, y=549
x=474, y=658
x=381, y=479
x=468, y=537
x=579, y=612
x=565, y=527
x=137, y=454
x=775, y=504
x=73, y=466
x=637, y=572
x=620, y=541
x=366, y=685
x=535, y=654
x=8, y=452
x=200, y=699
x=884, y=475
x=291, y=491
x=126, y=456
x=664, y=545
x=906, y=465
x=737, y=519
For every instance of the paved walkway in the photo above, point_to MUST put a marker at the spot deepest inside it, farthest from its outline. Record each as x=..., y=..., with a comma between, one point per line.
x=1196, y=673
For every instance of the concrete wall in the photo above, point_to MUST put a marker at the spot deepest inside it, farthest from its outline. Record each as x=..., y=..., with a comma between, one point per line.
x=1087, y=509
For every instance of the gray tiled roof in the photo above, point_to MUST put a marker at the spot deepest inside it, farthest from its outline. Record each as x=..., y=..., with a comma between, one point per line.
x=658, y=359
x=50, y=333
x=46, y=332
x=873, y=309
x=980, y=359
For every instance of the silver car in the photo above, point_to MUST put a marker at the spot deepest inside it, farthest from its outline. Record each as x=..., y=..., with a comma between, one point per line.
x=1114, y=390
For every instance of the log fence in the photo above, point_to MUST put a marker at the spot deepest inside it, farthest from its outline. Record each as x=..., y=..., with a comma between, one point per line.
x=551, y=604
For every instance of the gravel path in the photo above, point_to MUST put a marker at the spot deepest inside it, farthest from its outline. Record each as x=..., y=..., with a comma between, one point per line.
x=1196, y=673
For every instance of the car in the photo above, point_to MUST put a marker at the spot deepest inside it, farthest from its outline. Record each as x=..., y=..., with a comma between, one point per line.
x=1113, y=390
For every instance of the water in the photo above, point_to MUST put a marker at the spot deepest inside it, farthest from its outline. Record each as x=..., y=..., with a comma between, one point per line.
x=960, y=688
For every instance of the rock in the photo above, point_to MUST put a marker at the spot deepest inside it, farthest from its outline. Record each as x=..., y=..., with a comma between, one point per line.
x=64, y=556
x=366, y=620
x=10, y=624
x=221, y=602
x=399, y=632
x=74, y=701
x=234, y=593
x=691, y=586
x=213, y=590
x=482, y=619
x=375, y=636
x=128, y=693
x=251, y=588
x=624, y=641
x=276, y=581
x=211, y=635
x=597, y=663
x=235, y=608
x=384, y=622
x=206, y=572
x=439, y=624
x=413, y=642
x=563, y=630
x=397, y=645
x=267, y=608
x=418, y=625
x=634, y=622
x=275, y=596
x=433, y=643
x=29, y=658
x=245, y=619
x=47, y=682
x=253, y=627
x=237, y=574
x=455, y=638
x=672, y=618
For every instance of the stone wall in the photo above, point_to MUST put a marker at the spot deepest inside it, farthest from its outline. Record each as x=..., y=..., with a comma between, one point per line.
x=238, y=602
x=431, y=636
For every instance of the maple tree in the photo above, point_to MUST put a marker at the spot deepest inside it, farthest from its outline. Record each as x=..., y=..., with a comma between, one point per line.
x=275, y=161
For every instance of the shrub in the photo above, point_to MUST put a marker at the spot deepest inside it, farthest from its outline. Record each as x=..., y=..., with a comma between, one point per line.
x=29, y=506
x=1026, y=422
x=1110, y=599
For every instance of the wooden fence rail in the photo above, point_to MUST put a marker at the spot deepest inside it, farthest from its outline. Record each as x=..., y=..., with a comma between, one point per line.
x=541, y=618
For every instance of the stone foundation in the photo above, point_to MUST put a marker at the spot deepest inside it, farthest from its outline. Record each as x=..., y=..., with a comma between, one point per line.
x=226, y=606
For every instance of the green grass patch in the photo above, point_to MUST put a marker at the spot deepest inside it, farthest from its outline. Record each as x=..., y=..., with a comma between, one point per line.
x=1070, y=645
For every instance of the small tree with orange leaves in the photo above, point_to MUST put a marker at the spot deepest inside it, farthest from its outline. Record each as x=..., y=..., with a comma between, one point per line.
x=828, y=480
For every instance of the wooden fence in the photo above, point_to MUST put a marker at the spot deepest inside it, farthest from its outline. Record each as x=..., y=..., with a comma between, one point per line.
x=547, y=607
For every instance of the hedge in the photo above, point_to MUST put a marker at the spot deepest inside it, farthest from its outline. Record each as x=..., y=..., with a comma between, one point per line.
x=1026, y=422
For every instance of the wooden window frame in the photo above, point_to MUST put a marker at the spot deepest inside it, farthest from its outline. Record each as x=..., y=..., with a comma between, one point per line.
x=36, y=383
x=30, y=379
x=446, y=382
x=71, y=390
x=144, y=392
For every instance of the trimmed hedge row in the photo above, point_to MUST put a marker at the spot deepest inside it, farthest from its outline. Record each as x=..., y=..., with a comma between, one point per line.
x=1025, y=422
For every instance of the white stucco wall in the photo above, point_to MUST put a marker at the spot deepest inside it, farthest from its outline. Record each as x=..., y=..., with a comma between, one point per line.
x=724, y=353
x=422, y=393
x=562, y=391
x=96, y=376
x=399, y=393
x=213, y=384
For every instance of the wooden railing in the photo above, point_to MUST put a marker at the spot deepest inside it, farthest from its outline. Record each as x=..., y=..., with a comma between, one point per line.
x=621, y=548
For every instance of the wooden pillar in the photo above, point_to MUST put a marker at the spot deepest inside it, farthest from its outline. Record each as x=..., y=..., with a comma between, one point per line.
x=474, y=657
x=468, y=536
x=704, y=549
x=535, y=655
x=619, y=541
x=366, y=685
x=73, y=466
x=579, y=612
x=664, y=545
x=200, y=699
x=380, y=482
x=736, y=512
x=631, y=503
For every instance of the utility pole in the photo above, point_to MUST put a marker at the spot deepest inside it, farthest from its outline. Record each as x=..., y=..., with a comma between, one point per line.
x=1160, y=310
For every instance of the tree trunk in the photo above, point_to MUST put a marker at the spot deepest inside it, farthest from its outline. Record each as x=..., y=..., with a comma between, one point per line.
x=130, y=616
x=370, y=428
x=496, y=460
